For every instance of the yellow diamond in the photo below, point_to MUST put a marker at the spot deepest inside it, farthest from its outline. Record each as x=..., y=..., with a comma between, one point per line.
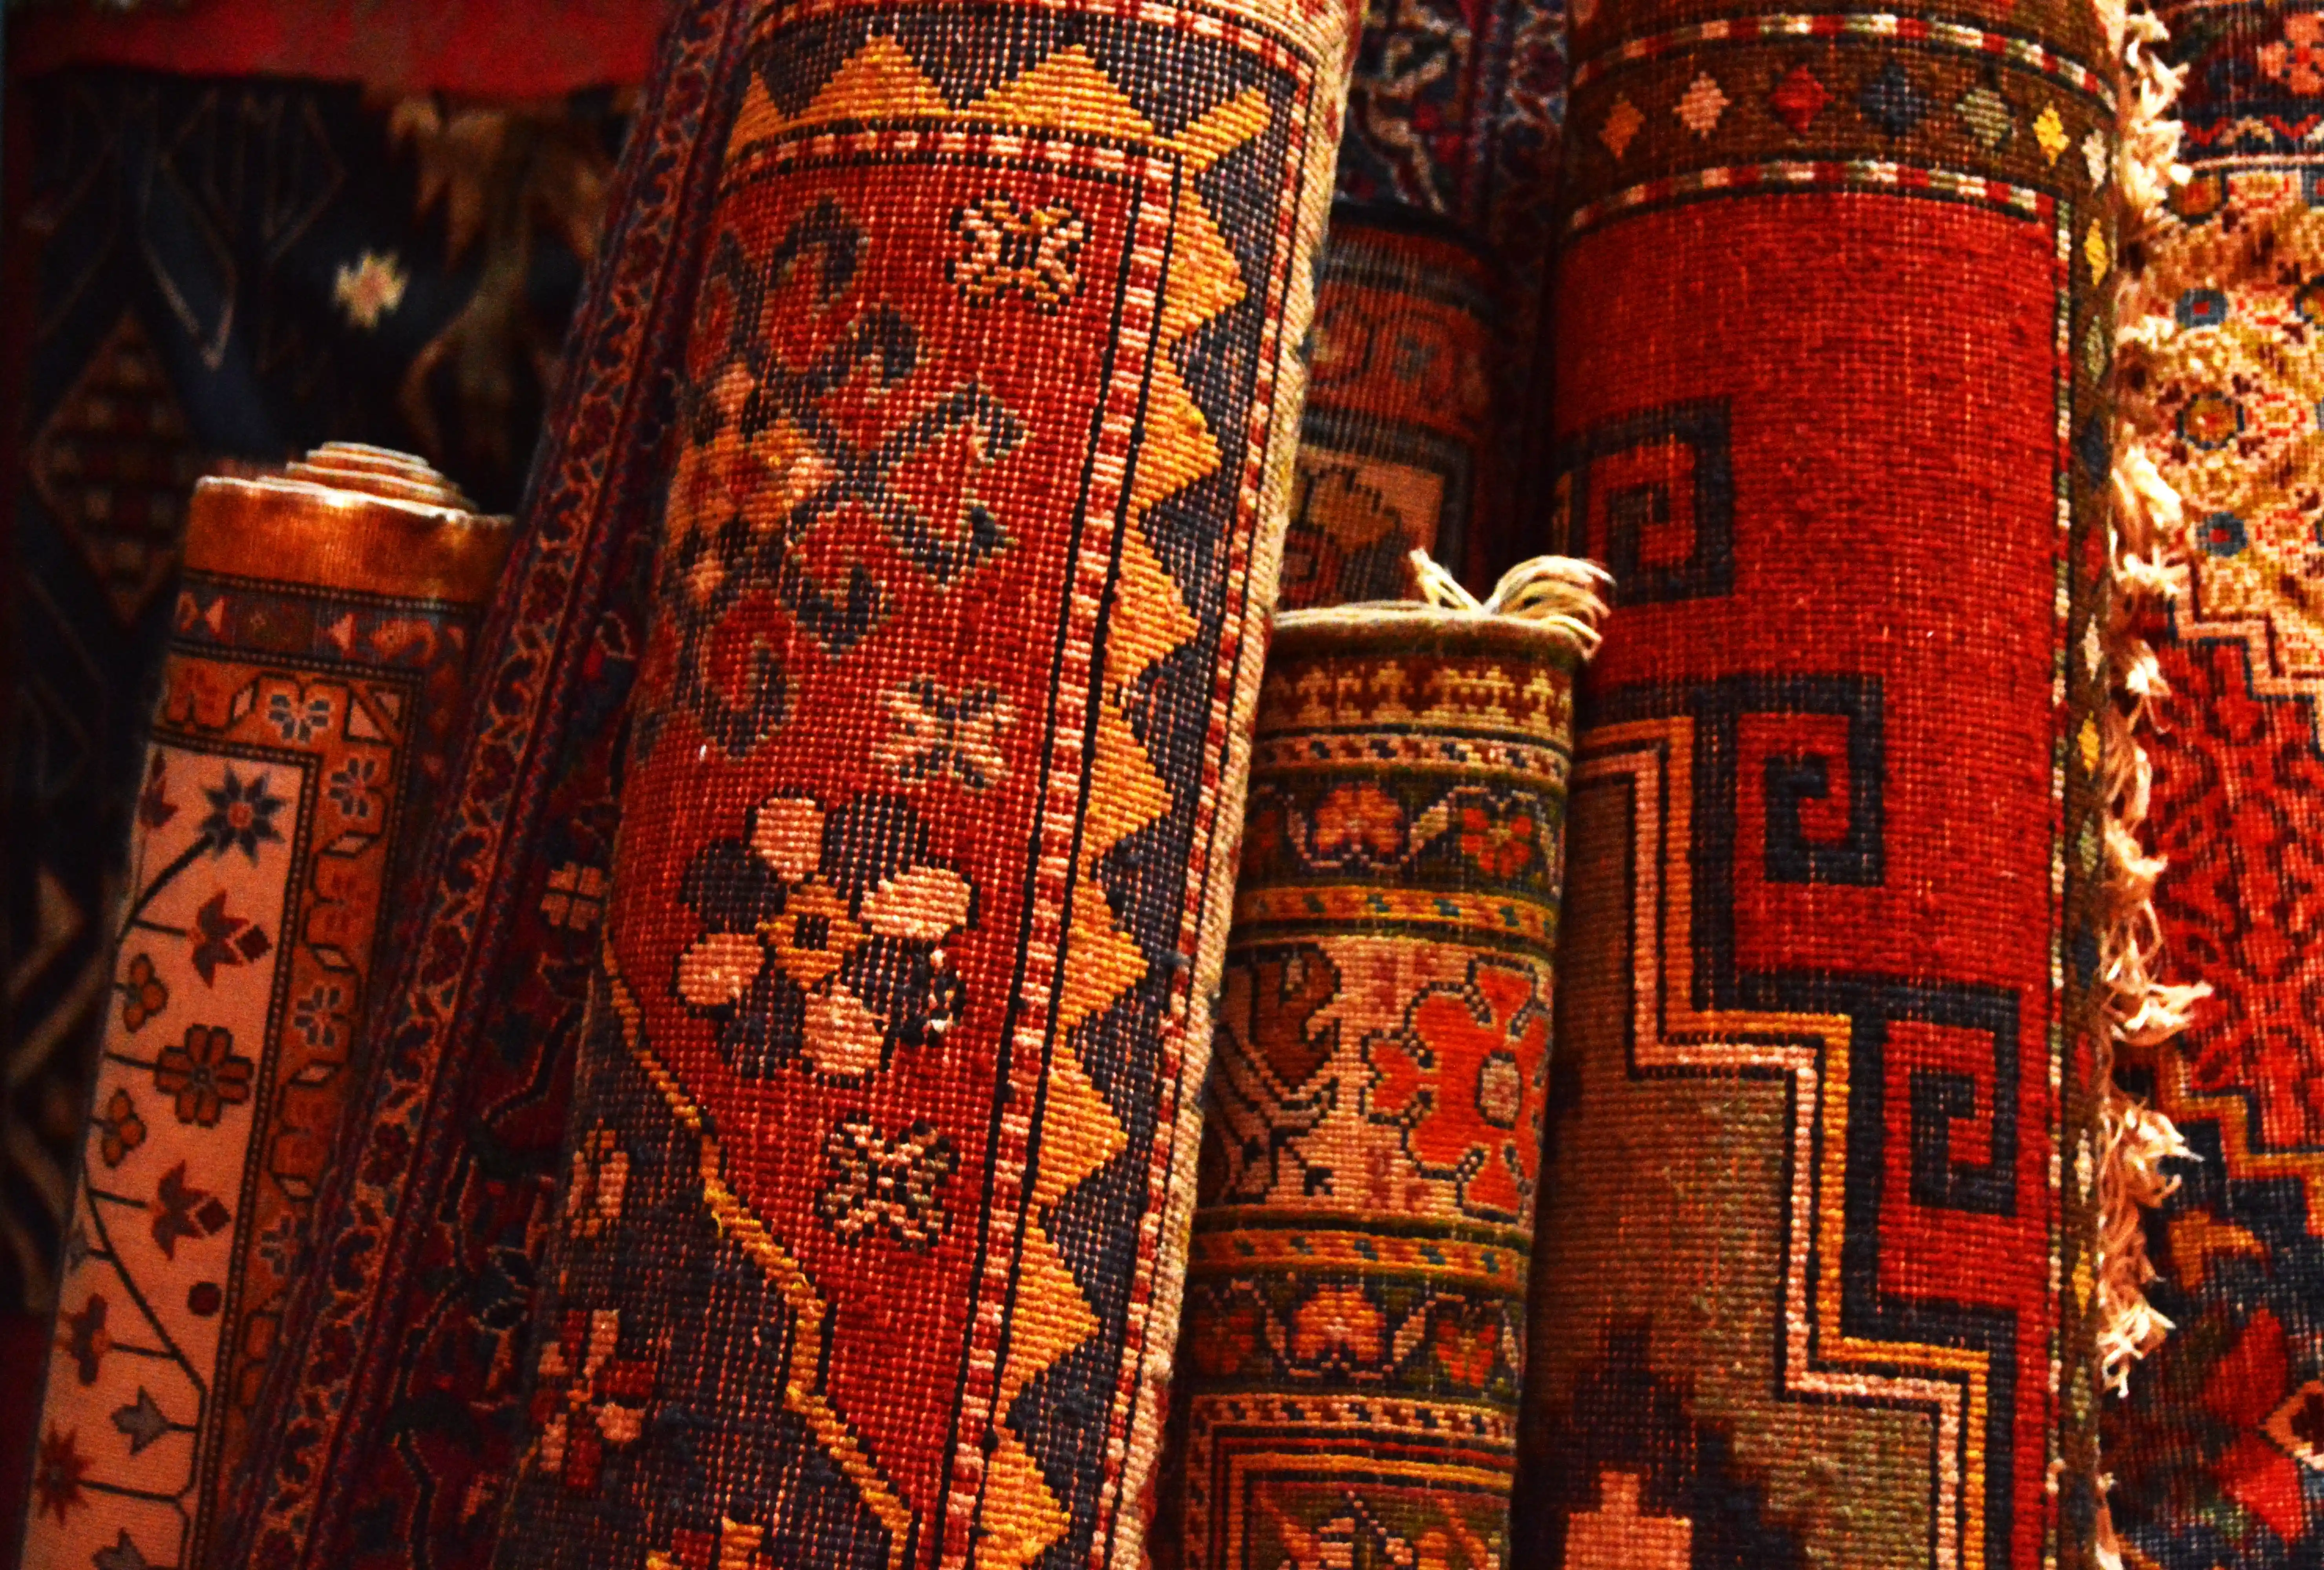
x=2094, y=248
x=2050, y=132
x=2089, y=742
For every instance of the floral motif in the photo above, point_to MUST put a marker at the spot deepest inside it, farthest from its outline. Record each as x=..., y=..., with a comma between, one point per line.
x=1007, y=245
x=890, y=1186
x=1455, y=1078
x=601, y=1176
x=2297, y=59
x=588, y=1399
x=351, y=785
x=181, y=1211
x=823, y=936
x=144, y=994
x=296, y=721
x=1340, y=1326
x=154, y=807
x=1467, y=1352
x=241, y=815
x=219, y=939
x=1359, y=819
x=279, y=1244
x=119, y=1129
x=205, y=1075
x=574, y=897
x=1501, y=844
x=316, y=1015
x=57, y=1474
x=940, y=733
x=84, y=1338
x=369, y=287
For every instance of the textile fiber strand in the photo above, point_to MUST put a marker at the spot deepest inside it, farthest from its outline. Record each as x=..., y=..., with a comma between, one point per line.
x=1832, y=340
x=322, y=626
x=2218, y=1450
x=1354, y=1328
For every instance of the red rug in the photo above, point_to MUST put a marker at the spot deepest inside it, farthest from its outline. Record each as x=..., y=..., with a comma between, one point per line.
x=1831, y=344
x=2218, y=1449
x=982, y=329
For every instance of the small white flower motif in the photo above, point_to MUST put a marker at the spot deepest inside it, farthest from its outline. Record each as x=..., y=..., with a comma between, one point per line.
x=370, y=288
x=939, y=732
x=823, y=936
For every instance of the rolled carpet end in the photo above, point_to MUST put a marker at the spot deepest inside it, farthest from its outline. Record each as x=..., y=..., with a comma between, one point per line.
x=1354, y=1336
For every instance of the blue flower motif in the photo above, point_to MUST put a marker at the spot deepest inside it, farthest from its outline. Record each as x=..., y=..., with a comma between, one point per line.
x=2202, y=307
x=2222, y=535
x=295, y=721
x=316, y=1016
x=351, y=787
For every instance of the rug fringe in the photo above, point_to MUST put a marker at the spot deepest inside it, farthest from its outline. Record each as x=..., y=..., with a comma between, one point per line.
x=2146, y=568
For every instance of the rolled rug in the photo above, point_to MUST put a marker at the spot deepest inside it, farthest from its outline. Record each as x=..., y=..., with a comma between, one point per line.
x=1428, y=309
x=978, y=334
x=1399, y=449
x=322, y=630
x=1354, y=1329
x=1833, y=329
x=2218, y=1447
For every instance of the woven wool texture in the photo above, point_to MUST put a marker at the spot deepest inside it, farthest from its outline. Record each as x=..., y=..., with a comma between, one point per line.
x=323, y=623
x=1832, y=336
x=1398, y=448
x=1355, y=1324
x=886, y=1107
x=403, y=1366
x=2220, y=1451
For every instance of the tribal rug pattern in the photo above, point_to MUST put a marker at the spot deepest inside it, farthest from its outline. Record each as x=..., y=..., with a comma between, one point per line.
x=322, y=625
x=1354, y=1328
x=1833, y=335
x=887, y=1111
x=853, y=265
x=2218, y=1452
x=1397, y=448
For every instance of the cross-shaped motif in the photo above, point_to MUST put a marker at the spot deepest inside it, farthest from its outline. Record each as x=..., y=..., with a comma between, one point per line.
x=768, y=461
